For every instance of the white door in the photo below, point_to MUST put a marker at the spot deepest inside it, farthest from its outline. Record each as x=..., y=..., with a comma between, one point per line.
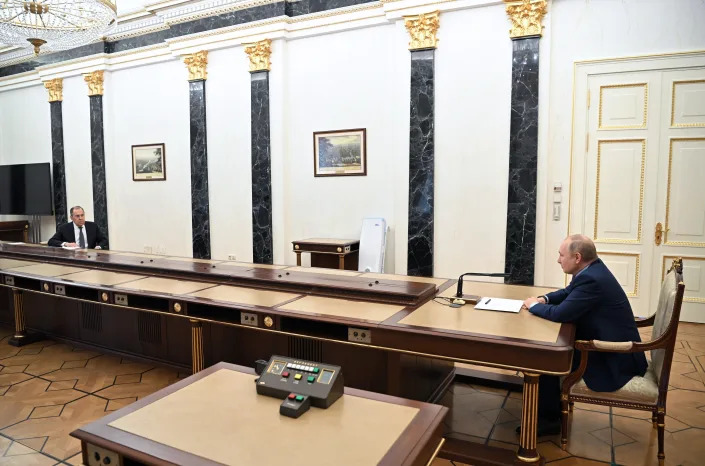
x=643, y=165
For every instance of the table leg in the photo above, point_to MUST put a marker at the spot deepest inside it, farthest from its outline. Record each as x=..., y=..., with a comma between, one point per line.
x=527, y=452
x=341, y=262
x=298, y=258
x=20, y=328
x=197, y=359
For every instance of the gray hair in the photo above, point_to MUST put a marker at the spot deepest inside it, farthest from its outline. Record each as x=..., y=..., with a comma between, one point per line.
x=74, y=208
x=584, y=246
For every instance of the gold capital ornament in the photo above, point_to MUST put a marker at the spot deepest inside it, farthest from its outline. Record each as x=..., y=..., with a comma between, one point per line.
x=259, y=53
x=95, y=82
x=526, y=16
x=55, y=88
x=422, y=29
x=196, y=64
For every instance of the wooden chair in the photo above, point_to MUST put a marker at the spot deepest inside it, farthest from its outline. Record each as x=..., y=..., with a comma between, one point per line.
x=647, y=393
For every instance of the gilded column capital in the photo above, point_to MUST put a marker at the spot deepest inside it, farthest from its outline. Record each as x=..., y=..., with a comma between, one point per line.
x=422, y=29
x=196, y=64
x=259, y=53
x=526, y=16
x=55, y=88
x=95, y=82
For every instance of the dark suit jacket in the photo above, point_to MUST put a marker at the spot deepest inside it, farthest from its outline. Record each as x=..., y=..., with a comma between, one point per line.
x=65, y=234
x=598, y=306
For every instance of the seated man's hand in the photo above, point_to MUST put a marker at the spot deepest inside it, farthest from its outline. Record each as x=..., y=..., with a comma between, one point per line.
x=71, y=245
x=531, y=301
x=98, y=247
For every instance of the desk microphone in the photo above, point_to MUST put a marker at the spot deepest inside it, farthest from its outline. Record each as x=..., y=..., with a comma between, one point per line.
x=459, y=290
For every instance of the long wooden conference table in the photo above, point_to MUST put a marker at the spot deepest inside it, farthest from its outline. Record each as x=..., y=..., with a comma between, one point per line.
x=387, y=331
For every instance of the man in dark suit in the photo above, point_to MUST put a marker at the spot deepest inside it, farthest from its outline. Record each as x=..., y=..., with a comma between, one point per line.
x=598, y=306
x=79, y=233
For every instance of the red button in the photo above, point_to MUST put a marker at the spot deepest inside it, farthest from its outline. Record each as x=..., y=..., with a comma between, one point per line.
x=285, y=374
x=292, y=396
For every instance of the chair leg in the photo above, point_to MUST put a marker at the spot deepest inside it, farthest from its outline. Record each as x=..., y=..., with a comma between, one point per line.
x=654, y=418
x=661, y=427
x=564, y=423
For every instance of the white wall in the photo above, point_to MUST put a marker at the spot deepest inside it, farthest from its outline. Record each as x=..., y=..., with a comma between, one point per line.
x=356, y=79
x=353, y=79
x=149, y=104
x=588, y=30
x=473, y=94
x=26, y=135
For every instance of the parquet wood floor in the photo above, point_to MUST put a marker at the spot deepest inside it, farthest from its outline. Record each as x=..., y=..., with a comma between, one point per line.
x=47, y=389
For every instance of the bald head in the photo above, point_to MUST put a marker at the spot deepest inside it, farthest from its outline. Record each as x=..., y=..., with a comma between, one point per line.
x=576, y=253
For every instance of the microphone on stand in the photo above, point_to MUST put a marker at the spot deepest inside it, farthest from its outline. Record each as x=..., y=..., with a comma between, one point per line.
x=459, y=299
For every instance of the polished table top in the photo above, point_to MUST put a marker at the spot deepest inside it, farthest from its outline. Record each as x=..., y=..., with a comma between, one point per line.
x=217, y=416
x=467, y=334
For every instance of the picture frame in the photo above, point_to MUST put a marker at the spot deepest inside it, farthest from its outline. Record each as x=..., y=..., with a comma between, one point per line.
x=149, y=162
x=340, y=152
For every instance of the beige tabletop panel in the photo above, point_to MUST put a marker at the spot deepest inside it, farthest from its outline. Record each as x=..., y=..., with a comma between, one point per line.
x=523, y=325
x=498, y=290
x=405, y=278
x=12, y=263
x=240, y=295
x=374, y=312
x=166, y=285
x=223, y=419
x=345, y=273
x=140, y=255
x=327, y=241
x=48, y=270
x=254, y=266
x=101, y=277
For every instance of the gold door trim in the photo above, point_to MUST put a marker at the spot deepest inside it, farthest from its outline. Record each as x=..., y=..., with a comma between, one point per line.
x=663, y=275
x=644, y=115
x=666, y=227
x=637, y=240
x=673, y=105
x=635, y=292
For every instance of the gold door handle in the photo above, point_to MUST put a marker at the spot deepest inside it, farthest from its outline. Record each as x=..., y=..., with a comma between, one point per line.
x=660, y=234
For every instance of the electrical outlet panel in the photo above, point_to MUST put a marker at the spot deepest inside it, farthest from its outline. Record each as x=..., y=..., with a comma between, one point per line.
x=232, y=257
x=247, y=318
x=121, y=299
x=10, y=281
x=359, y=335
x=60, y=290
x=98, y=456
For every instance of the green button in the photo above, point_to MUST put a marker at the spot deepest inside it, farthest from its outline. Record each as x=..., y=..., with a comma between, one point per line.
x=311, y=379
x=315, y=370
x=299, y=398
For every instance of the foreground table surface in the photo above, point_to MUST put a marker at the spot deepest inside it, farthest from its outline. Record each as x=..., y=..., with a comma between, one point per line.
x=216, y=416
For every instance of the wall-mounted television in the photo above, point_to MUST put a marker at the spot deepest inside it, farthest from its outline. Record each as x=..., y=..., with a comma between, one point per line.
x=25, y=189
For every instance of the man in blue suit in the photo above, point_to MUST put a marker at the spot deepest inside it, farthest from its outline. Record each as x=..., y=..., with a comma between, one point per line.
x=598, y=306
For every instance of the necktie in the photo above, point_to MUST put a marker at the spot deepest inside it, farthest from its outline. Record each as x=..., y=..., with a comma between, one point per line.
x=81, y=239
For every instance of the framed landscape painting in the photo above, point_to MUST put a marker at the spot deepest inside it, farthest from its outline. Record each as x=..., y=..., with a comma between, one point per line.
x=340, y=153
x=148, y=162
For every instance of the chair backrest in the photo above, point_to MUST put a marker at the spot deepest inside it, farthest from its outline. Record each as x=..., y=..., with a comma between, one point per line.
x=667, y=317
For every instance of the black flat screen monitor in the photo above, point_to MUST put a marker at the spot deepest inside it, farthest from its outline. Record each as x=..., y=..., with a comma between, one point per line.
x=25, y=189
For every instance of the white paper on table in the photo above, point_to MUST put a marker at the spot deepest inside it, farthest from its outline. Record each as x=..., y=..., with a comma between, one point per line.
x=71, y=247
x=499, y=304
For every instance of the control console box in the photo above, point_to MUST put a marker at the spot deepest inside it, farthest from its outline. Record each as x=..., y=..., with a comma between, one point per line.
x=319, y=384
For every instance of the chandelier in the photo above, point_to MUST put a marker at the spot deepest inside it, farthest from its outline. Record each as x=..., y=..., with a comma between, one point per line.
x=55, y=24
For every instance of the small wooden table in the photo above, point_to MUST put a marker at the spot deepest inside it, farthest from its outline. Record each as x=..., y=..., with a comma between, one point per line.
x=15, y=231
x=329, y=253
x=215, y=417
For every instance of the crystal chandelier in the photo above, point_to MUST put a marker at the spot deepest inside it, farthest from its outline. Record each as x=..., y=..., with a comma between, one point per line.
x=55, y=24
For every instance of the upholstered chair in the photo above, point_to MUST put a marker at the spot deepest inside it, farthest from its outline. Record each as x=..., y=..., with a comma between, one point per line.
x=647, y=393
